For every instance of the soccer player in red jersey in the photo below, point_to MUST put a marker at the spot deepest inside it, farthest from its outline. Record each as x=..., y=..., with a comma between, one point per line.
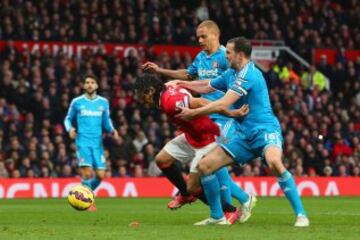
x=198, y=135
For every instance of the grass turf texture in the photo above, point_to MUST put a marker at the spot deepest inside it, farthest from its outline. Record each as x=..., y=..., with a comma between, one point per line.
x=331, y=218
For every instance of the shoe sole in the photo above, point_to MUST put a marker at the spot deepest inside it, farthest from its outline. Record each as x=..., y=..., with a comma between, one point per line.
x=303, y=226
x=212, y=224
x=176, y=208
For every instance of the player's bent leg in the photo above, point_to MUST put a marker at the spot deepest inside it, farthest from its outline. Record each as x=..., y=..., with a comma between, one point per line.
x=172, y=172
x=224, y=180
x=286, y=181
x=228, y=131
x=213, y=161
x=211, y=189
x=247, y=202
x=231, y=213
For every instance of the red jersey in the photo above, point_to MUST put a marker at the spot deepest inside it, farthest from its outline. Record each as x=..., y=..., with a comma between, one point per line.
x=200, y=131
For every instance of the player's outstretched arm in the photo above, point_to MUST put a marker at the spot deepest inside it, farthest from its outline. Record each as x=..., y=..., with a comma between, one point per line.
x=218, y=106
x=173, y=74
x=198, y=102
x=198, y=86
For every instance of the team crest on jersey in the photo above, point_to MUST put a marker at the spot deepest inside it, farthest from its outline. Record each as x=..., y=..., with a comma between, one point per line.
x=215, y=64
x=101, y=108
x=179, y=104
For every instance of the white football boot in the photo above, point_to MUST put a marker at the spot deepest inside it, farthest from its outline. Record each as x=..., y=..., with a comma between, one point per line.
x=302, y=221
x=212, y=221
x=246, y=209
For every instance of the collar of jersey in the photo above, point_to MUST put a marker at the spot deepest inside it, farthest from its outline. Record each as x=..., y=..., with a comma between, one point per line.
x=237, y=72
x=91, y=100
x=213, y=54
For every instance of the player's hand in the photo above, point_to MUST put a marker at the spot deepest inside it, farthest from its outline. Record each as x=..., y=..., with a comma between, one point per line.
x=185, y=114
x=116, y=135
x=173, y=83
x=72, y=133
x=240, y=112
x=150, y=67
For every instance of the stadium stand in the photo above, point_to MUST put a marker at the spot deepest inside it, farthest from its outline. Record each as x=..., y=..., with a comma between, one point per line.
x=321, y=124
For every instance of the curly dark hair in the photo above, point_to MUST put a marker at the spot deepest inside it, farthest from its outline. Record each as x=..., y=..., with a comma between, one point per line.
x=146, y=81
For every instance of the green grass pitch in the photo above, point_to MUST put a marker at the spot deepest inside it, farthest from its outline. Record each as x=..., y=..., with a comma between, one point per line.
x=331, y=218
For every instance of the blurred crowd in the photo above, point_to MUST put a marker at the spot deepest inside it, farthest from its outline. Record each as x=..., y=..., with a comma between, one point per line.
x=303, y=25
x=321, y=127
x=319, y=107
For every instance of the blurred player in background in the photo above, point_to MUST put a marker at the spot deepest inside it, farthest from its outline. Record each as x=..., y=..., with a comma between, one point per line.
x=259, y=131
x=197, y=139
x=210, y=63
x=92, y=115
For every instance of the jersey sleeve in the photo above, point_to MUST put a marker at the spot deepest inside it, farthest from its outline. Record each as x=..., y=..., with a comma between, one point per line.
x=106, y=120
x=219, y=83
x=193, y=68
x=242, y=85
x=70, y=116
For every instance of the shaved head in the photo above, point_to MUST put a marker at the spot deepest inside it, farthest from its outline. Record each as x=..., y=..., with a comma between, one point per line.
x=211, y=26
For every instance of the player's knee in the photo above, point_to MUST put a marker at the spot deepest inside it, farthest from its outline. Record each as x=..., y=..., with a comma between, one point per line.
x=204, y=168
x=271, y=161
x=162, y=162
x=86, y=173
x=86, y=176
x=276, y=164
x=100, y=175
x=273, y=158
